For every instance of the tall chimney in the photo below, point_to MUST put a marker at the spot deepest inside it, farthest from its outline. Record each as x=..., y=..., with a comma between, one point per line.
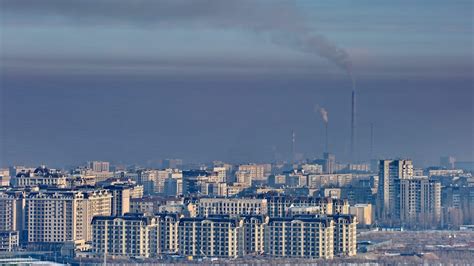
x=327, y=137
x=293, y=139
x=371, y=141
x=353, y=125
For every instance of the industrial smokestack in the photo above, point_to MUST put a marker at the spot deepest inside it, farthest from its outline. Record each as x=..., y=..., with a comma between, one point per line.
x=353, y=125
x=327, y=138
x=371, y=141
x=325, y=117
x=293, y=150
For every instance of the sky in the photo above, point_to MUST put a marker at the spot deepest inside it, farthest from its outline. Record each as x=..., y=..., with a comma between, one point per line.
x=138, y=81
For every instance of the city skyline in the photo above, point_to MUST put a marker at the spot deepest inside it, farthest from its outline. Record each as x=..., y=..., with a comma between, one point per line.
x=207, y=81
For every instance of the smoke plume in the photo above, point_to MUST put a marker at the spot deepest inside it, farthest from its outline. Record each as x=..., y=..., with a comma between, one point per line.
x=323, y=112
x=281, y=20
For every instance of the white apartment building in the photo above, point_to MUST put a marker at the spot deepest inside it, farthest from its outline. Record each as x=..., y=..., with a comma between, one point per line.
x=231, y=206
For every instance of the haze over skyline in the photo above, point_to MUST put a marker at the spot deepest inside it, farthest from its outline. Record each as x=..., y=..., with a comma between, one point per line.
x=214, y=80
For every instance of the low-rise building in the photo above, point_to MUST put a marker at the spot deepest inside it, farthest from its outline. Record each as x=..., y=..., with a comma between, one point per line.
x=41, y=176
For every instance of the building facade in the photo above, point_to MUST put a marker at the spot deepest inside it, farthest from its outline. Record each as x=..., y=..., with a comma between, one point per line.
x=131, y=235
x=419, y=201
x=300, y=237
x=389, y=172
x=217, y=236
x=231, y=206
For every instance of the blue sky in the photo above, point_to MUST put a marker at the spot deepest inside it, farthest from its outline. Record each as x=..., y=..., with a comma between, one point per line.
x=414, y=56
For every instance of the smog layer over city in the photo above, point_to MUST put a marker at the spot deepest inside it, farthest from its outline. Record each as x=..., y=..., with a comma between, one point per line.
x=236, y=132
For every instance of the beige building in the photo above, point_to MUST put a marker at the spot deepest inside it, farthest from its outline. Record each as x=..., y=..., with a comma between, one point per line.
x=98, y=166
x=130, y=235
x=96, y=202
x=244, y=178
x=256, y=171
x=4, y=177
x=12, y=211
x=254, y=234
x=231, y=206
x=55, y=216
x=135, y=235
x=363, y=212
x=235, y=189
x=220, y=173
x=217, y=236
x=332, y=193
x=168, y=234
x=300, y=237
x=345, y=235
x=325, y=180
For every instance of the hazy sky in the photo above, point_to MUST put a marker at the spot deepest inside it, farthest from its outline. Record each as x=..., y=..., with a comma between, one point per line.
x=136, y=81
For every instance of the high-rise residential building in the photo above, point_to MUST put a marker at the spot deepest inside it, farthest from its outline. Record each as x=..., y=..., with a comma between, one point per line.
x=300, y=237
x=244, y=178
x=214, y=236
x=98, y=166
x=55, y=216
x=220, y=173
x=256, y=171
x=130, y=235
x=213, y=189
x=173, y=187
x=97, y=202
x=419, y=201
x=329, y=163
x=154, y=180
x=121, y=195
x=358, y=194
x=12, y=211
x=389, y=172
x=231, y=206
x=458, y=205
x=345, y=235
x=254, y=234
x=168, y=232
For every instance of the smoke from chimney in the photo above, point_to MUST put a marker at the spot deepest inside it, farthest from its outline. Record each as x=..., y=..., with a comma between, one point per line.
x=325, y=117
